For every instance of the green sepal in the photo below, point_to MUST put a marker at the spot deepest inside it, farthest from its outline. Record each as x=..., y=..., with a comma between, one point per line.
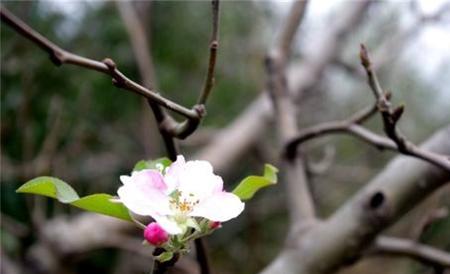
x=164, y=257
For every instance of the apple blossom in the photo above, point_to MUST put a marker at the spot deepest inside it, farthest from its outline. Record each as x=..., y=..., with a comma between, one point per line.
x=179, y=198
x=155, y=235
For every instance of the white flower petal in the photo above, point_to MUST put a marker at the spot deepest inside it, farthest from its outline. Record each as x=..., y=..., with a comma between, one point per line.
x=174, y=172
x=219, y=207
x=146, y=204
x=125, y=179
x=169, y=225
x=143, y=193
x=194, y=177
x=148, y=178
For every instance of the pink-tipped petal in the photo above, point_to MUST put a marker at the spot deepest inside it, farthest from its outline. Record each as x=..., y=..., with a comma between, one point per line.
x=143, y=193
x=144, y=203
x=220, y=207
x=149, y=178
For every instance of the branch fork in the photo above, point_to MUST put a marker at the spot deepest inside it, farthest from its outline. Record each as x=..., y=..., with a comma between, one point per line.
x=394, y=141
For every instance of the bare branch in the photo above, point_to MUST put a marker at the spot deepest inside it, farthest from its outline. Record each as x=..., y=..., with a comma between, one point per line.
x=405, y=247
x=392, y=115
x=349, y=126
x=323, y=129
x=213, y=47
x=343, y=237
x=290, y=27
x=107, y=66
x=301, y=206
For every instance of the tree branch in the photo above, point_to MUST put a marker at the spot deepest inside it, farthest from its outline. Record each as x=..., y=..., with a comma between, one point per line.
x=343, y=237
x=289, y=29
x=405, y=247
x=301, y=205
x=392, y=115
x=213, y=47
x=107, y=66
x=349, y=126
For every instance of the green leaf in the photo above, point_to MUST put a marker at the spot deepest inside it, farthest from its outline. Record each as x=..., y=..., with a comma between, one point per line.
x=101, y=203
x=60, y=190
x=152, y=164
x=165, y=256
x=251, y=184
x=50, y=187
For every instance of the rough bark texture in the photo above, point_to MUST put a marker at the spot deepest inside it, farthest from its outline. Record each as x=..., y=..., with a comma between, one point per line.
x=341, y=238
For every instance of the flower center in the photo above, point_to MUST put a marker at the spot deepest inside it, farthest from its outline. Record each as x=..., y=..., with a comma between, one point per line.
x=182, y=204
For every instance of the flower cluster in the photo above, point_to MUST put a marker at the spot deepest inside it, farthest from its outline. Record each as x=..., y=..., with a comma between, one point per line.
x=186, y=200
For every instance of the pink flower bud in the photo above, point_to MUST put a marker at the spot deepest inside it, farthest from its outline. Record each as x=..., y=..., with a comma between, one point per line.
x=215, y=225
x=155, y=235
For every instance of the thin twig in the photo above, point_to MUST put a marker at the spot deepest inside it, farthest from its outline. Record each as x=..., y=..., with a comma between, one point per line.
x=107, y=66
x=340, y=127
x=363, y=115
x=405, y=247
x=391, y=116
x=347, y=127
x=350, y=126
x=213, y=47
